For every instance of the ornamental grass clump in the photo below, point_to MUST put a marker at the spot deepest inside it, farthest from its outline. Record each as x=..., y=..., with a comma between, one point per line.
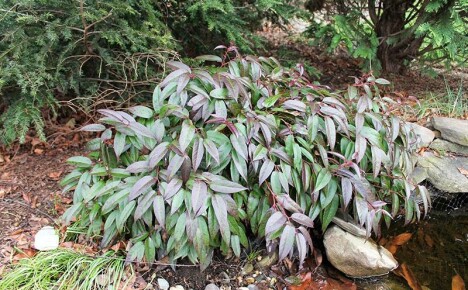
x=239, y=149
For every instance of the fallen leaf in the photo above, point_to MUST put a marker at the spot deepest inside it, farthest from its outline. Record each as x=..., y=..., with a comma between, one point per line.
x=463, y=171
x=27, y=197
x=429, y=241
x=24, y=253
x=401, y=239
x=393, y=244
x=38, y=151
x=458, y=283
x=404, y=271
x=55, y=175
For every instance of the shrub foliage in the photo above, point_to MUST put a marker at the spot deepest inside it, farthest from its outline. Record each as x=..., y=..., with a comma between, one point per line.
x=392, y=34
x=65, y=49
x=239, y=149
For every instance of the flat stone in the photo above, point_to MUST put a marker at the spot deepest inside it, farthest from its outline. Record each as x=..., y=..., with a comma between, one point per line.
x=454, y=130
x=446, y=146
x=444, y=172
x=418, y=175
x=357, y=257
x=425, y=135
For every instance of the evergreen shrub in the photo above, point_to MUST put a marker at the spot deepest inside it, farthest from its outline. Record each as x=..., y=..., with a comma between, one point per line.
x=243, y=149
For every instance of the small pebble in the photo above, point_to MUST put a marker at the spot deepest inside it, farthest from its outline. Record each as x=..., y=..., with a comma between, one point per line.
x=211, y=286
x=242, y=288
x=259, y=258
x=163, y=284
x=273, y=281
x=249, y=280
x=176, y=287
x=254, y=275
x=252, y=287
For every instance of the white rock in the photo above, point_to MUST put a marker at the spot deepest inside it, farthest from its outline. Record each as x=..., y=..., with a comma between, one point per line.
x=46, y=239
x=163, y=284
x=357, y=257
x=211, y=286
x=176, y=287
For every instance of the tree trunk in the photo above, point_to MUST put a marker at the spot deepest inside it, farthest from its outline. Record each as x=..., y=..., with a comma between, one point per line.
x=390, y=23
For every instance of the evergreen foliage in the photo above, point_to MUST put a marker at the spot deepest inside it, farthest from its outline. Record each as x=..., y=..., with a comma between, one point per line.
x=244, y=147
x=53, y=50
x=390, y=35
x=62, y=49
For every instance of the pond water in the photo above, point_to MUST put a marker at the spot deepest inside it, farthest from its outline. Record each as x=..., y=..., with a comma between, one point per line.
x=437, y=251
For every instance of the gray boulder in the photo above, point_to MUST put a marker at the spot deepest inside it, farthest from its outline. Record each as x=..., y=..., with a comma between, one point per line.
x=446, y=146
x=451, y=129
x=357, y=257
x=444, y=172
x=425, y=135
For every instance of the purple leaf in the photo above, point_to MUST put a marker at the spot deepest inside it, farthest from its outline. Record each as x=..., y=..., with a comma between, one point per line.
x=142, y=130
x=179, y=65
x=331, y=131
x=346, y=190
x=276, y=221
x=159, y=210
x=172, y=188
x=226, y=186
x=294, y=105
x=301, y=248
x=288, y=203
x=157, y=154
x=141, y=186
x=286, y=241
x=220, y=210
x=172, y=76
x=199, y=196
x=143, y=204
x=266, y=170
x=174, y=165
x=138, y=167
x=303, y=219
x=197, y=153
x=359, y=121
x=186, y=169
x=182, y=83
x=307, y=236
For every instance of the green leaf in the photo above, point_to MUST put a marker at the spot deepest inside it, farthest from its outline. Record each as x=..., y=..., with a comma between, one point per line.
x=125, y=214
x=323, y=179
x=80, y=161
x=330, y=212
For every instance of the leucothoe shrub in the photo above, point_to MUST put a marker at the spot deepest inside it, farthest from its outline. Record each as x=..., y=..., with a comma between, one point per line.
x=245, y=147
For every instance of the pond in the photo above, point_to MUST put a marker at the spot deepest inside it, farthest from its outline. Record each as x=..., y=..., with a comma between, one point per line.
x=437, y=251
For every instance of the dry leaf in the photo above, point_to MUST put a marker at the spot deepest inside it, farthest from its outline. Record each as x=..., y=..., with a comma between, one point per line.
x=463, y=171
x=429, y=241
x=401, y=239
x=404, y=271
x=458, y=283
x=38, y=151
x=55, y=175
